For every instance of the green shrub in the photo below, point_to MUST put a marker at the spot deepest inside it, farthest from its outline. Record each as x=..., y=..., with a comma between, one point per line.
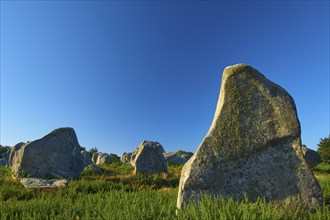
x=93, y=150
x=114, y=158
x=3, y=149
x=181, y=152
x=324, y=149
x=118, y=168
x=322, y=173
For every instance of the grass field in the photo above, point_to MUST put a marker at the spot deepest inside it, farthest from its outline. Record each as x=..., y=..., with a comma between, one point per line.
x=117, y=194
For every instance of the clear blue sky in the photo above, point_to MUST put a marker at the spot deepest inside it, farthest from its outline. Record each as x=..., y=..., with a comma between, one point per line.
x=123, y=72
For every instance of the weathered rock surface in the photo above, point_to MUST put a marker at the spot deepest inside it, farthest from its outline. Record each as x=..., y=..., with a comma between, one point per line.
x=149, y=159
x=103, y=158
x=93, y=168
x=126, y=157
x=41, y=183
x=253, y=146
x=56, y=155
x=94, y=157
x=172, y=158
x=311, y=156
x=134, y=155
x=15, y=148
x=86, y=158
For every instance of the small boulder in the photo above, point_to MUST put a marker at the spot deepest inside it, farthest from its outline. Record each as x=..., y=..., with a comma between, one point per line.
x=93, y=168
x=173, y=159
x=103, y=158
x=149, y=159
x=126, y=157
x=56, y=155
x=168, y=155
x=311, y=156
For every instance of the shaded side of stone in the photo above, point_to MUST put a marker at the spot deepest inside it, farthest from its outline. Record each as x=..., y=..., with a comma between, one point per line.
x=311, y=156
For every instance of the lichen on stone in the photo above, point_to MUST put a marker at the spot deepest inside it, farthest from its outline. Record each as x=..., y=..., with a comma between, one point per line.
x=253, y=146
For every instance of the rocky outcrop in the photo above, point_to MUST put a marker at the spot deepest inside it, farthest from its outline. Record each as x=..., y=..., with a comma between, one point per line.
x=126, y=157
x=173, y=159
x=56, y=155
x=311, y=156
x=149, y=159
x=253, y=146
x=86, y=158
x=103, y=158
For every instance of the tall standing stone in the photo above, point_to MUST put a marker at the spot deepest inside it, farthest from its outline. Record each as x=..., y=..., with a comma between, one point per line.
x=149, y=158
x=253, y=146
x=56, y=155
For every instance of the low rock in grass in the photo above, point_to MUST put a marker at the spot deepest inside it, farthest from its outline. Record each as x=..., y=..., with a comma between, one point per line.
x=41, y=183
x=92, y=168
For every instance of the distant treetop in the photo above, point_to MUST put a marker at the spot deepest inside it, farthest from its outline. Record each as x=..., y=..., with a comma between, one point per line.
x=324, y=149
x=181, y=152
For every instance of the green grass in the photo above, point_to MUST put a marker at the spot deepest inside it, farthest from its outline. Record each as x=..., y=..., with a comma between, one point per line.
x=322, y=174
x=144, y=204
x=323, y=168
x=116, y=194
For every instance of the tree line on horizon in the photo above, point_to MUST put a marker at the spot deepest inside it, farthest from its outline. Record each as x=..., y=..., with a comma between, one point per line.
x=323, y=150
